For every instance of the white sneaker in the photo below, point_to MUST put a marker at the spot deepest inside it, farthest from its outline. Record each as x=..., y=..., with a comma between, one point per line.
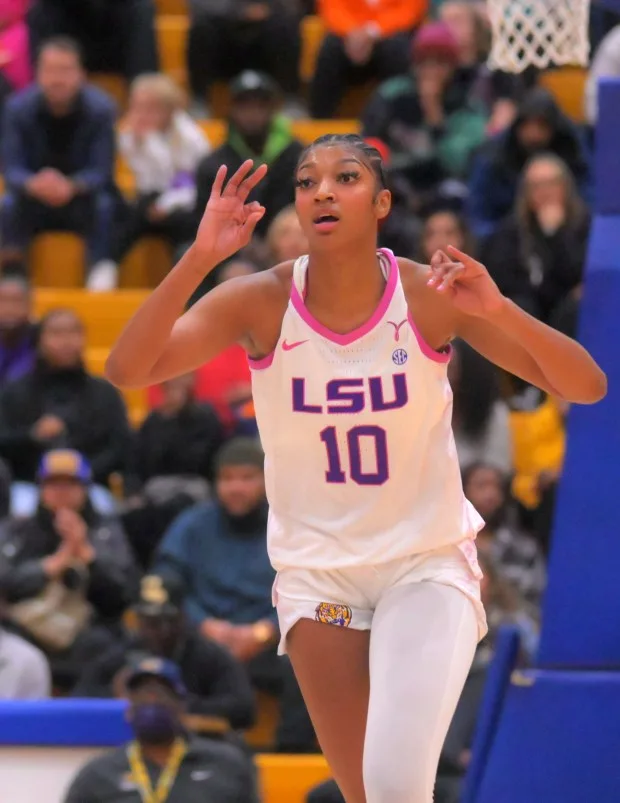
x=103, y=277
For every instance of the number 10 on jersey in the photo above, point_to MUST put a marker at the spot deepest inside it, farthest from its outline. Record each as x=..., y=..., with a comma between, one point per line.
x=375, y=437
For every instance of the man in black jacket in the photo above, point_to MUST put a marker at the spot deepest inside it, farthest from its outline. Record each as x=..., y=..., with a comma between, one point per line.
x=59, y=404
x=68, y=543
x=255, y=131
x=217, y=683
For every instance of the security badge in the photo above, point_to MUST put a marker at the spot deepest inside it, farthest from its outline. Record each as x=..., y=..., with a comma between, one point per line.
x=152, y=590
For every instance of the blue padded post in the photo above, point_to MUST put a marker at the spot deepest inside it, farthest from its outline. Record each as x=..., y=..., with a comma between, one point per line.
x=506, y=651
x=558, y=741
x=607, y=158
x=581, y=616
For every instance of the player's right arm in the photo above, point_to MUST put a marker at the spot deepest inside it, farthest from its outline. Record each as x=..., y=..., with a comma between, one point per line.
x=159, y=341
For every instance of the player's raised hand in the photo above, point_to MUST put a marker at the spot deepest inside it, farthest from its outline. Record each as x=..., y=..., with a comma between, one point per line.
x=465, y=281
x=228, y=221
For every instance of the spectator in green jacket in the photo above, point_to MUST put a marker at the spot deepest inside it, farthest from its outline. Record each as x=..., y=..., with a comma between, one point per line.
x=426, y=117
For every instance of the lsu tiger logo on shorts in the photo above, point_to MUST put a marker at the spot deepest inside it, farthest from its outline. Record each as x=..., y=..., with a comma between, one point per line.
x=331, y=614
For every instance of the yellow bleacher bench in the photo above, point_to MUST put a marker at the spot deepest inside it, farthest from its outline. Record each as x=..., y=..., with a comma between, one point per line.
x=172, y=32
x=567, y=85
x=172, y=7
x=104, y=314
x=288, y=779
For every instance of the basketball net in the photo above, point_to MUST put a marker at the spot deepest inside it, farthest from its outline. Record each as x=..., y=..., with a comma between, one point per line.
x=538, y=33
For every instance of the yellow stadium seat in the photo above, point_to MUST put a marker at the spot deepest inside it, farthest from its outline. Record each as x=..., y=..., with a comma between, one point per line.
x=567, y=85
x=262, y=735
x=172, y=39
x=146, y=264
x=114, y=85
x=306, y=130
x=135, y=398
x=288, y=779
x=57, y=260
x=174, y=7
x=312, y=33
x=104, y=314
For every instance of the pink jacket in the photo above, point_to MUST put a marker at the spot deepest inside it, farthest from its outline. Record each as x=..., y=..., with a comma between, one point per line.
x=14, y=43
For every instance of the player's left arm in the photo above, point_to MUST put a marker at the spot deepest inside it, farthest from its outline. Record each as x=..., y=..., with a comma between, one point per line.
x=512, y=339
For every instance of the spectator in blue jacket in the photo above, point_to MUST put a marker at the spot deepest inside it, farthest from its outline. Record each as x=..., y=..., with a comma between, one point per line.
x=218, y=552
x=58, y=146
x=540, y=126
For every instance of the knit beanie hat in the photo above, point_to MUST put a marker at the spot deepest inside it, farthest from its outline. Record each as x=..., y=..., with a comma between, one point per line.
x=435, y=41
x=240, y=452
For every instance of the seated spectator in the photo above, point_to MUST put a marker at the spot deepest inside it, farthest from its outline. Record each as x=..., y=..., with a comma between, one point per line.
x=540, y=126
x=67, y=572
x=217, y=685
x=180, y=438
x=255, y=131
x=285, y=237
x=58, y=157
x=497, y=91
x=15, y=69
x=515, y=554
x=24, y=670
x=219, y=552
x=539, y=441
x=117, y=36
x=59, y=404
x=480, y=419
x=18, y=334
x=233, y=35
x=162, y=146
x=164, y=762
x=425, y=118
x=171, y=463
x=537, y=254
x=364, y=41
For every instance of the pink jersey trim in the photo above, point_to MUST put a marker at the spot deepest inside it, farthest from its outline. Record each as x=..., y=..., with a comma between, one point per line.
x=365, y=328
x=264, y=362
x=436, y=356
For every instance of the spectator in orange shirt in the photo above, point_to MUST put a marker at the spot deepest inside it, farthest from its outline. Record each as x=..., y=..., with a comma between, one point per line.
x=365, y=39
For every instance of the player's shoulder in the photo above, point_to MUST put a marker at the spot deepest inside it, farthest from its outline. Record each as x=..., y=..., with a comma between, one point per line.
x=429, y=309
x=272, y=285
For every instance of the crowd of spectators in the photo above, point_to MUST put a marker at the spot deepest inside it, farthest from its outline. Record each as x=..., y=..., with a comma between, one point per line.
x=120, y=546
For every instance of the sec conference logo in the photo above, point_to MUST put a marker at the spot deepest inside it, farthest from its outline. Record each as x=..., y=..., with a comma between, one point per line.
x=399, y=357
x=330, y=614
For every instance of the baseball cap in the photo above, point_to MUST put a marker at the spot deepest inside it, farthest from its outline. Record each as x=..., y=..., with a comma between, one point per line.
x=64, y=463
x=251, y=82
x=160, y=668
x=159, y=596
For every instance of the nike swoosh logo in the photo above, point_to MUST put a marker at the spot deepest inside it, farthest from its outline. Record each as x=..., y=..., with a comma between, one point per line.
x=289, y=346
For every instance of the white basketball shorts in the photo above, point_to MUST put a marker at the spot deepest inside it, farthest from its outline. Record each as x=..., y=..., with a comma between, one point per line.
x=348, y=597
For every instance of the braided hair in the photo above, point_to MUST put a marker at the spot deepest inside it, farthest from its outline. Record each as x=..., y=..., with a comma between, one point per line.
x=368, y=153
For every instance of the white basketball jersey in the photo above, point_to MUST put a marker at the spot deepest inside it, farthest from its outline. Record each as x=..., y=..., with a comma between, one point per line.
x=360, y=460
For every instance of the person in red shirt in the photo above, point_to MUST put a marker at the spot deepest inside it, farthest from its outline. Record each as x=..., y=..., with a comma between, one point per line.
x=366, y=39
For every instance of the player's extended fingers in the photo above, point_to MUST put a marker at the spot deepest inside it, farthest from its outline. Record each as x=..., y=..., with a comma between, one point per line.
x=461, y=256
x=236, y=179
x=251, y=181
x=451, y=276
x=216, y=189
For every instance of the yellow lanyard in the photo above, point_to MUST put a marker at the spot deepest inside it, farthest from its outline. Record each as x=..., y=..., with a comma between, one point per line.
x=168, y=775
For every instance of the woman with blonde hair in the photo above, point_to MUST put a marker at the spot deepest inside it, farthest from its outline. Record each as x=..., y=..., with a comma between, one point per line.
x=162, y=146
x=285, y=238
x=537, y=255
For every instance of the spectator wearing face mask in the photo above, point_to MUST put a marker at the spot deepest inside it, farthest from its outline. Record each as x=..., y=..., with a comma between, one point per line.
x=164, y=761
x=217, y=685
x=540, y=126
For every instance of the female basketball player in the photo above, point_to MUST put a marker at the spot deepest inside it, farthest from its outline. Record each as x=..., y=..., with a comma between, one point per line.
x=373, y=540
